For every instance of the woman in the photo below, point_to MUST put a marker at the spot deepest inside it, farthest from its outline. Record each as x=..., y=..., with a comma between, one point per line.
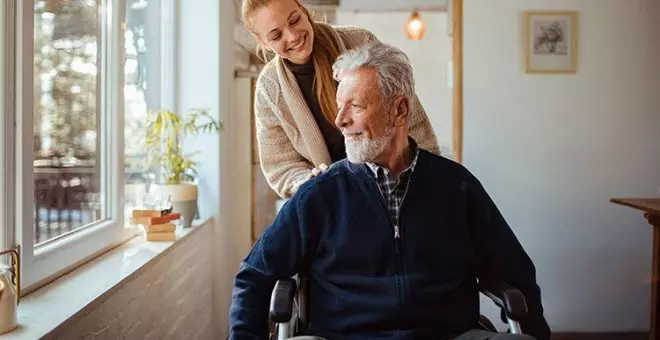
x=295, y=101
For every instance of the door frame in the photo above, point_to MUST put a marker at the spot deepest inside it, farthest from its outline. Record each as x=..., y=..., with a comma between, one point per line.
x=456, y=14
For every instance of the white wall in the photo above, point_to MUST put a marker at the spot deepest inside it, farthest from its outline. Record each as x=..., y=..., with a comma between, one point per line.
x=552, y=150
x=429, y=57
x=205, y=78
x=389, y=5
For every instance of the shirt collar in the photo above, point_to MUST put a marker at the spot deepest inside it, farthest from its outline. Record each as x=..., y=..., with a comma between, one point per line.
x=413, y=146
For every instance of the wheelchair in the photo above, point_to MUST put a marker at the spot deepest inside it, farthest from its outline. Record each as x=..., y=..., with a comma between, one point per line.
x=290, y=293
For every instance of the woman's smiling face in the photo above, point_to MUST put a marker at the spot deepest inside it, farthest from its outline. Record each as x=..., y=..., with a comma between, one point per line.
x=284, y=28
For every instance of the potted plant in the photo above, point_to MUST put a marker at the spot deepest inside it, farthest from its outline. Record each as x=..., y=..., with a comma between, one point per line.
x=164, y=136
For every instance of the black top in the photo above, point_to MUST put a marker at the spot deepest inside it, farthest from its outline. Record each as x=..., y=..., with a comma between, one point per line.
x=334, y=140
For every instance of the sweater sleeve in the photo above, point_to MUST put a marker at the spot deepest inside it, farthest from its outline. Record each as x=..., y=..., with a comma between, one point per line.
x=284, y=168
x=419, y=126
x=420, y=129
x=280, y=252
x=501, y=257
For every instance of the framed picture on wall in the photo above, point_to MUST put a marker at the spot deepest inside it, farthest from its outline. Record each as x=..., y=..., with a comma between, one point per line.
x=550, y=41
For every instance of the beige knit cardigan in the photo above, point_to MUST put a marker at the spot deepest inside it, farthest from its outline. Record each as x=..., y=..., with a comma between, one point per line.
x=290, y=143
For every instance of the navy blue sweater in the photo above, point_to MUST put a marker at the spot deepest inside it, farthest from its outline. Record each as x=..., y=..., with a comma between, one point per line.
x=364, y=283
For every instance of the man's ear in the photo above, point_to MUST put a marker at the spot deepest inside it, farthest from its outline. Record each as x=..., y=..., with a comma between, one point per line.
x=402, y=109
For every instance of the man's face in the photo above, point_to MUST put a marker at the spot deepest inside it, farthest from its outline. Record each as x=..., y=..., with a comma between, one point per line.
x=363, y=117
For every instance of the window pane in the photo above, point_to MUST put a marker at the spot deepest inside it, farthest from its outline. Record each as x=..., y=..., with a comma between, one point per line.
x=143, y=77
x=67, y=178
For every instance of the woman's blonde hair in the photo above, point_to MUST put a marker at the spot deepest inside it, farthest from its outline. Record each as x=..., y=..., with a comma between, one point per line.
x=325, y=50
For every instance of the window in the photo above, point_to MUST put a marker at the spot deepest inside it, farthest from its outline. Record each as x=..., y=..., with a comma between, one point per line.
x=149, y=79
x=78, y=155
x=69, y=176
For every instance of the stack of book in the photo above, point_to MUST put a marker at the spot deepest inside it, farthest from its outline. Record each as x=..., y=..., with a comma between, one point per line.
x=157, y=224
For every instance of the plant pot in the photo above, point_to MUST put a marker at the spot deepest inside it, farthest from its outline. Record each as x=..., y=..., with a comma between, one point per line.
x=183, y=197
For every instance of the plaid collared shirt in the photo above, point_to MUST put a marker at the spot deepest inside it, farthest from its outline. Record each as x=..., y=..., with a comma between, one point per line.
x=393, y=188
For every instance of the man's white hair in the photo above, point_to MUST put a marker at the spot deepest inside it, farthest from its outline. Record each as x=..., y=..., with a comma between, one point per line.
x=395, y=74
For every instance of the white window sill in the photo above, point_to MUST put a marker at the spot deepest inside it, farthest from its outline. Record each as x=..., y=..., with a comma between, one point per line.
x=43, y=310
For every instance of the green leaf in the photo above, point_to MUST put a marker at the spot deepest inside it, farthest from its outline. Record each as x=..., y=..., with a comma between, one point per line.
x=164, y=137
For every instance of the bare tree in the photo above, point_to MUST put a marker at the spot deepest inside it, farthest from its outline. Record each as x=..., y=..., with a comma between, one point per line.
x=66, y=76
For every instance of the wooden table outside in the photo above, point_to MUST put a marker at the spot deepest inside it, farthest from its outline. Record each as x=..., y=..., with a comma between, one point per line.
x=651, y=209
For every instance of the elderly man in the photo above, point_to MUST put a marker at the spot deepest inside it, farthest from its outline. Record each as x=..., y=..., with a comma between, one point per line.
x=393, y=238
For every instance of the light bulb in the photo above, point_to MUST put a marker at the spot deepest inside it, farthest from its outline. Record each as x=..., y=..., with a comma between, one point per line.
x=415, y=27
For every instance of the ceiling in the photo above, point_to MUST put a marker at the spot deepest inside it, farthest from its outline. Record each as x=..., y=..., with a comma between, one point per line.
x=381, y=5
x=370, y=5
x=328, y=8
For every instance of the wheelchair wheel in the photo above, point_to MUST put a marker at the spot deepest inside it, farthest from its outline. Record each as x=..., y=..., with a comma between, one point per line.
x=485, y=323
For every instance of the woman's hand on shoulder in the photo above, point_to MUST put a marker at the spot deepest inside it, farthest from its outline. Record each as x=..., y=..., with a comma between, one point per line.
x=319, y=170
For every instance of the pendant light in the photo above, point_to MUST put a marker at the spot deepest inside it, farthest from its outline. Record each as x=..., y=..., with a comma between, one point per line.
x=415, y=26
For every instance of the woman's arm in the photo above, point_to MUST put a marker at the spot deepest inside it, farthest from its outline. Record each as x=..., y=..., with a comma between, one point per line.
x=420, y=129
x=284, y=168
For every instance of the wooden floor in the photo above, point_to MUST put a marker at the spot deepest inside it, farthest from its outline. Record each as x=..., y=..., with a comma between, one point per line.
x=600, y=336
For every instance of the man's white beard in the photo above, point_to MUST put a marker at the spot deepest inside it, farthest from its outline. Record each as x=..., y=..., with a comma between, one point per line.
x=365, y=150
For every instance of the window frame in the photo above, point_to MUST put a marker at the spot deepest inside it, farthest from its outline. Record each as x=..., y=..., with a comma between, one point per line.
x=41, y=264
x=6, y=130
x=44, y=263
x=168, y=61
x=166, y=14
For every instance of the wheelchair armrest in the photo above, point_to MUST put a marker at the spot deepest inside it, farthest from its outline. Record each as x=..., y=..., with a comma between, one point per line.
x=510, y=299
x=281, y=300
